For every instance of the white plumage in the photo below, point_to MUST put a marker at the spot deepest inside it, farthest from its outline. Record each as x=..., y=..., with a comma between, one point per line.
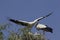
x=28, y=24
x=41, y=26
x=44, y=28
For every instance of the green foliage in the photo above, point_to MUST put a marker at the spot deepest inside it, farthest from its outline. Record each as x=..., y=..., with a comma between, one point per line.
x=1, y=36
x=22, y=34
x=25, y=35
x=3, y=26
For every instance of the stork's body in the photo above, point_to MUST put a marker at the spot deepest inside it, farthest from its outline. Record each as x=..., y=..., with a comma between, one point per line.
x=28, y=24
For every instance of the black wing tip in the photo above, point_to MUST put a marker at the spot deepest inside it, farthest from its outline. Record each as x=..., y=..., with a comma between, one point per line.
x=49, y=29
x=49, y=14
x=10, y=19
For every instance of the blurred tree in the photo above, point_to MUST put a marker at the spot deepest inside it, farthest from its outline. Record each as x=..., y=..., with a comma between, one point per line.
x=2, y=27
x=1, y=36
x=22, y=34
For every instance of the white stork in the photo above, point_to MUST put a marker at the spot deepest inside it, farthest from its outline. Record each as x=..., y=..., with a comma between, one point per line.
x=44, y=28
x=28, y=24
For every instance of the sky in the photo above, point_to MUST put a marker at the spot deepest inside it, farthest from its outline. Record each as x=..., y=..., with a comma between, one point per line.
x=29, y=10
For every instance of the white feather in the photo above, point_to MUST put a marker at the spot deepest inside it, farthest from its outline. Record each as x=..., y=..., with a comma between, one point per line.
x=40, y=26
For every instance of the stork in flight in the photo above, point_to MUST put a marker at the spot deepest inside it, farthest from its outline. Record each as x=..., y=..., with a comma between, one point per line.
x=26, y=23
x=44, y=28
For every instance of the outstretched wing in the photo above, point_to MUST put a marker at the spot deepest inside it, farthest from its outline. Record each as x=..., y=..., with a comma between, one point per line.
x=24, y=23
x=45, y=16
x=38, y=19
